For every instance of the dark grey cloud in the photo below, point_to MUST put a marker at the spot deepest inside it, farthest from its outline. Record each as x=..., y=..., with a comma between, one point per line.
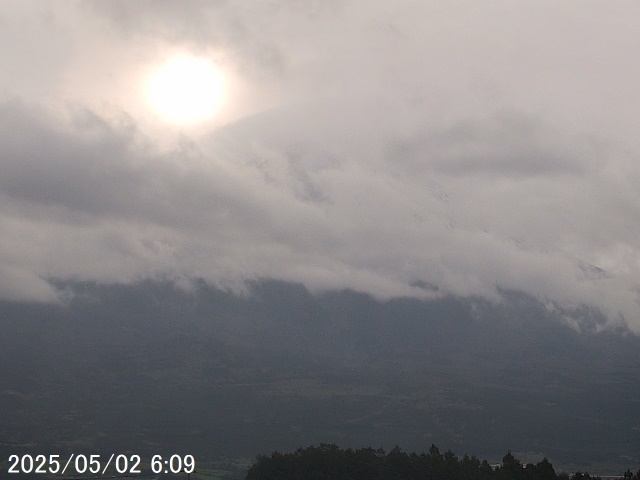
x=510, y=145
x=89, y=170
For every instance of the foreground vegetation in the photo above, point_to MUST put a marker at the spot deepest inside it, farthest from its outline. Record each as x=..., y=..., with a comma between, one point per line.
x=329, y=462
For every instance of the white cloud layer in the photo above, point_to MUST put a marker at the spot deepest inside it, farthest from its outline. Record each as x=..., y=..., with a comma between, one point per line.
x=462, y=146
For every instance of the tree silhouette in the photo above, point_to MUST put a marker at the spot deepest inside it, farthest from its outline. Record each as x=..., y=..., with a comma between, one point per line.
x=329, y=462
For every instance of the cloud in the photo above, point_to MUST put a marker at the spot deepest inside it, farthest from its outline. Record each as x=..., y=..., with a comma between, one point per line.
x=509, y=145
x=388, y=147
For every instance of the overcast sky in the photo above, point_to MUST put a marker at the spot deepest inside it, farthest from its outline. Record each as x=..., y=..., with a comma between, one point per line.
x=397, y=148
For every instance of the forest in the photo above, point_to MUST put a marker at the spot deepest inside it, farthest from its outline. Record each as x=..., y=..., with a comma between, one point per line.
x=329, y=462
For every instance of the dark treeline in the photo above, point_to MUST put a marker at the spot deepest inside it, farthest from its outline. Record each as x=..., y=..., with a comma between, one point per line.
x=329, y=462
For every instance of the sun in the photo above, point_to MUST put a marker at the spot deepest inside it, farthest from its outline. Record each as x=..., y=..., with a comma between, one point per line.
x=185, y=90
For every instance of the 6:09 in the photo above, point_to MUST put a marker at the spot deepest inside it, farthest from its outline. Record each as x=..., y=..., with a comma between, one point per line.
x=173, y=464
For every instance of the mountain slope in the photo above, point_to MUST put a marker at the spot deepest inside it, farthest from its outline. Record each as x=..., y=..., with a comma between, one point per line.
x=149, y=367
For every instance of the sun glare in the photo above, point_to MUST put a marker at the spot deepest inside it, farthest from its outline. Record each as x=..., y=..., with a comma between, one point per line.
x=185, y=90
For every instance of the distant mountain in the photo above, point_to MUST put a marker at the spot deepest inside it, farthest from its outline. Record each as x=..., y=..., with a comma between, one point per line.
x=149, y=368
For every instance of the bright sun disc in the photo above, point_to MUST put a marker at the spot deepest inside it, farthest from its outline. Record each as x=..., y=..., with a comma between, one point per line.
x=185, y=90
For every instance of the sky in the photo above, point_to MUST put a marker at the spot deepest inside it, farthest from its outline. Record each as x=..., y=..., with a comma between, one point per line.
x=400, y=148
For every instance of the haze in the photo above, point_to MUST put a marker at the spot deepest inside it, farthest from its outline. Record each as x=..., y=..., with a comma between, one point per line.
x=382, y=148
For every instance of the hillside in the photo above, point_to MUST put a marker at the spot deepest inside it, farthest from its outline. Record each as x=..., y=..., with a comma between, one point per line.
x=149, y=368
